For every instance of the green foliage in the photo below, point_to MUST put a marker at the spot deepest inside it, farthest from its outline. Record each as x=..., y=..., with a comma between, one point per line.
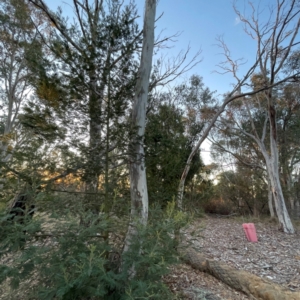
x=167, y=150
x=82, y=93
x=2, y=125
x=233, y=193
x=65, y=260
x=198, y=192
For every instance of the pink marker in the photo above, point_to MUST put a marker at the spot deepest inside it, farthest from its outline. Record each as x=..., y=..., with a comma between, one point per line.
x=250, y=232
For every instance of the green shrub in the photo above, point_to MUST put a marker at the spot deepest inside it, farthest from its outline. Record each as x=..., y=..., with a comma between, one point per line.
x=71, y=261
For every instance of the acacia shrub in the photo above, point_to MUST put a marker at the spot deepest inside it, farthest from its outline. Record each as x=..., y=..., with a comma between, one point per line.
x=71, y=261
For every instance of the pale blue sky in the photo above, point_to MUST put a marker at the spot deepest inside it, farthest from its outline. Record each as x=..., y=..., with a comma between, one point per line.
x=200, y=22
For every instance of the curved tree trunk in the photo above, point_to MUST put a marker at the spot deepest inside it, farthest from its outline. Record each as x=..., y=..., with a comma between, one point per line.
x=245, y=282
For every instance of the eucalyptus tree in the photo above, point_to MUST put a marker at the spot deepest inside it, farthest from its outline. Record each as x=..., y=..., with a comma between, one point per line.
x=18, y=42
x=246, y=128
x=240, y=147
x=247, y=160
x=88, y=81
x=288, y=122
x=138, y=181
x=275, y=45
x=198, y=104
x=276, y=40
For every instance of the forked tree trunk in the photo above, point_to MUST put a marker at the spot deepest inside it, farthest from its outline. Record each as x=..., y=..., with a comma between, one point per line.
x=271, y=160
x=138, y=183
x=273, y=174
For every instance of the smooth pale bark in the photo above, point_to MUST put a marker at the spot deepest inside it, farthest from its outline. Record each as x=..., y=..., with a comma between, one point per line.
x=138, y=183
x=281, y=211
x=271, y=159
x=270, y=67
x=272, y=163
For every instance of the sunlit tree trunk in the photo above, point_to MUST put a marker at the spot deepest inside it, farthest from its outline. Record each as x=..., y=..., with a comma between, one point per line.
x=138, y=183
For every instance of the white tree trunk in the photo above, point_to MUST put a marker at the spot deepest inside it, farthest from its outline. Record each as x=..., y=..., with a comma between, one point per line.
x=138, y=183
x=281, y=211
x=273, y=172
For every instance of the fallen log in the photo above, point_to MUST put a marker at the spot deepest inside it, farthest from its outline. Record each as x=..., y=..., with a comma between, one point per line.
x=251, y=285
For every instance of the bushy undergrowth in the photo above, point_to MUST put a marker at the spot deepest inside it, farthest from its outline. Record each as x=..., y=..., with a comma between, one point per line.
x=215, y=206
x=67, y=260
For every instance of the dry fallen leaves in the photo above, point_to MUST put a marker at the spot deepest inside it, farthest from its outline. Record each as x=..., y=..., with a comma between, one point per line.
x=276, y=256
